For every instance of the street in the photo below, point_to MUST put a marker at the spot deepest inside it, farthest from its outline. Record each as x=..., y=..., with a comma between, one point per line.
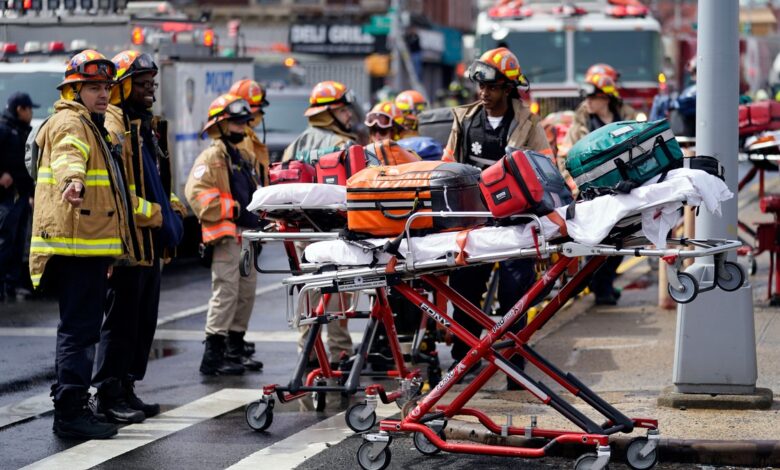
x=202, y=424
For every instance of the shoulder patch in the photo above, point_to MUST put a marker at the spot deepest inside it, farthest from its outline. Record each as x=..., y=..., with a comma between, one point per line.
x=198, y=171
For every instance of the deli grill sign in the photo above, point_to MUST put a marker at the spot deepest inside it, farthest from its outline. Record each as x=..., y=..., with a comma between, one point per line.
x=322, y=38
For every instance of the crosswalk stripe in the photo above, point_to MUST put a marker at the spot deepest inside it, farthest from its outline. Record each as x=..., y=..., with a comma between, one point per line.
x=294, y=450
x=286, y=336
x=25, y=409
x=131, y=437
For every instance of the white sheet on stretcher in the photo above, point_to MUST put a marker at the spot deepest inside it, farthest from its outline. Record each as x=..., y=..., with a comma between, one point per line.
x=304, y=195
x=592, y=222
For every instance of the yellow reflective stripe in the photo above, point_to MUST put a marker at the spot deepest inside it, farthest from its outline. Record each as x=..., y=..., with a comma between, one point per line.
x=76, y=246
x=144, y=208
x=36, y=279
x=132, y=188
x=97, y=178
x=79, y=144
x=77, y=167
x=45, y=176
x=174, y=198
x=60, y=161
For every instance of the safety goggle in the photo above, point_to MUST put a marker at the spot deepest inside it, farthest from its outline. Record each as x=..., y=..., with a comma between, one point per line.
x=238, y=109
x=144, y=61
x=95, y=69
x=377, y=119
x=482, y=72
x=589, y=89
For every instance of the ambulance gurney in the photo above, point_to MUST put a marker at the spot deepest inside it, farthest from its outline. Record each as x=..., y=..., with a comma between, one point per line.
x=632, y=224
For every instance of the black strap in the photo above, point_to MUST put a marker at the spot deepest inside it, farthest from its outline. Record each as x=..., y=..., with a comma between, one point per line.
x=570, y=210
x=515, y=171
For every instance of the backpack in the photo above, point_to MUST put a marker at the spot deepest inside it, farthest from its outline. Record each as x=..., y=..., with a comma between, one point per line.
x=32, y=152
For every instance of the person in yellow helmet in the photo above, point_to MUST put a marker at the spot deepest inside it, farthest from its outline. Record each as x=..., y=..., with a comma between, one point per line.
x=219, y=188
x=411, y=103
x=481, y=131
x=131, y=319
x=82, y=222
x=385, y=121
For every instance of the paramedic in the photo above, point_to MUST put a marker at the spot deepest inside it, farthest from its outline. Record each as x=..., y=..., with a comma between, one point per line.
x=480, y=133
x=80, y=179
x=385, y=121
x=330, y=127
x=238, y=349
x=134, y=288
x=219, y=188
x=411, y=103
x=602, y=106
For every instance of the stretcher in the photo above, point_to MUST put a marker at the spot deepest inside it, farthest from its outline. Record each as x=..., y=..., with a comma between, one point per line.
x=304, y=213
x=634, y=224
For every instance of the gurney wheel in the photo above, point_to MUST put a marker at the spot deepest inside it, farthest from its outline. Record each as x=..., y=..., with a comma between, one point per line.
x=689, y=291
x=635, y=460
x=246, y=266
x=318, y=398
x=424, y=445
x=259, y=415
x=586, y=461
x=379, y=462
x=731, y=277
x=357, y=424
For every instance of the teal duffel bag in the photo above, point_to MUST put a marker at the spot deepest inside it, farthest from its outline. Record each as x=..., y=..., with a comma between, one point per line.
x=620, y=156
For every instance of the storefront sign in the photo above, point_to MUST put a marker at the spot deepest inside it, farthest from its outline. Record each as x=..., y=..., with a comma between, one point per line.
x=335, y=39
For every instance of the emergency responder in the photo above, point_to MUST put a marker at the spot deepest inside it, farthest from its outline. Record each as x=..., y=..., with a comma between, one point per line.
x=238, y=349
x=16, y=191
x=330, y=127
x=411, y=103
x=481, y=131
x=602, y=105
x=330, y=117
x=82, y=221
x=385, y=121
x=134, y=288
x=219, y=188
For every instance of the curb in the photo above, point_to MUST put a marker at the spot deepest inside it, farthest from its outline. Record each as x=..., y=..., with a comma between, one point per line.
x=709, y=452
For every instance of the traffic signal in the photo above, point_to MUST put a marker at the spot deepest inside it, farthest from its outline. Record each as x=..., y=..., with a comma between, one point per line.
x=208, y=37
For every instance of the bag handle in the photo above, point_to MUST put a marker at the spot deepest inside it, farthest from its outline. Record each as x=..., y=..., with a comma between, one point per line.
x=415, y=207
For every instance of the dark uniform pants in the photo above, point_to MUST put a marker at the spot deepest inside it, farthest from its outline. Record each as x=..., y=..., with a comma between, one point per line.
x=515, y=278
x=81, y=285
x=131, y=320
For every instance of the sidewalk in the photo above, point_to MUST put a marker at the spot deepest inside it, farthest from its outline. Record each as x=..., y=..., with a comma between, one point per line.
x=626, y=354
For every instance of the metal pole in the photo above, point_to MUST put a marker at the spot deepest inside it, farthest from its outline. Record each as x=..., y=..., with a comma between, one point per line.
x=397, y=39
x=715, y=349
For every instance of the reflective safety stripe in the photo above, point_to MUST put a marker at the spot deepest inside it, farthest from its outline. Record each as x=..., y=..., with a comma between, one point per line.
x=97, y=178
x=78, y=143
x=227, y=205
x=60, y=161
x=132, y=188
x=76, y=246
x=45, y=176
x=77, y=167
x=174, y=198
x=205, y=197
x=144, y=208
x=219, y=230
x=36, y=279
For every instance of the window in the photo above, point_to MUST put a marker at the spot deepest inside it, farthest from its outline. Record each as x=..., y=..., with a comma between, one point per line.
x=635, y=54
x=41, y=86
x=542, y=55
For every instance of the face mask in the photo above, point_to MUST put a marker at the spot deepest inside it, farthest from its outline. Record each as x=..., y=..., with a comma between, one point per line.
x=235, y=137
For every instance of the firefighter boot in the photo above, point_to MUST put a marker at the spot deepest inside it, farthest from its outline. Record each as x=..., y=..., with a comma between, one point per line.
x=214, y=362
x=238, y=353
x=111, y=401
x=148, y=409
x=74, y=419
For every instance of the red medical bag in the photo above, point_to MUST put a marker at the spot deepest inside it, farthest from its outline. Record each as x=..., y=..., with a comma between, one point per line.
x=337, y=167
x=293, y=171
x=759, y=116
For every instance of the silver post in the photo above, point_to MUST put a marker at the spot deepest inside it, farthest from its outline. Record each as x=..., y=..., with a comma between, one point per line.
x=715, y=349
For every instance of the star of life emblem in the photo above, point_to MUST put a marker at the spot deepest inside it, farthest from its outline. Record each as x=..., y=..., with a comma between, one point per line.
x=476, y=148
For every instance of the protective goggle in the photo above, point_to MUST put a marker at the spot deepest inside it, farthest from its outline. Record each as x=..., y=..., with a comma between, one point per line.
x=377, y=119
x=589, y=89
x=94, y=69
x=238, y=109
x=144, y=61
x=482, y=72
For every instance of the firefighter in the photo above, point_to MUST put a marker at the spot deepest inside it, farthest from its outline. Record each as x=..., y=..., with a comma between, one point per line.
x=330, y=128
x=238, y=349
x=82, y=222
x=411, y=103
x=385, y=121
x=480, y=133
x=602, y=105
x=219, y=188
x=134, y=289
x=330, y=117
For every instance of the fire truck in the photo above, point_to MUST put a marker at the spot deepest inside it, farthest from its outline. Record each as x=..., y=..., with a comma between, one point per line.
x=556, y=43
x=37, y=45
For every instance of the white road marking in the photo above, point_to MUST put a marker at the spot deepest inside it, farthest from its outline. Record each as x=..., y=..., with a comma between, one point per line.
x=294, y=450
x=204, y=308
x=286, y=336
x=131, y=437
x=25, y=409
